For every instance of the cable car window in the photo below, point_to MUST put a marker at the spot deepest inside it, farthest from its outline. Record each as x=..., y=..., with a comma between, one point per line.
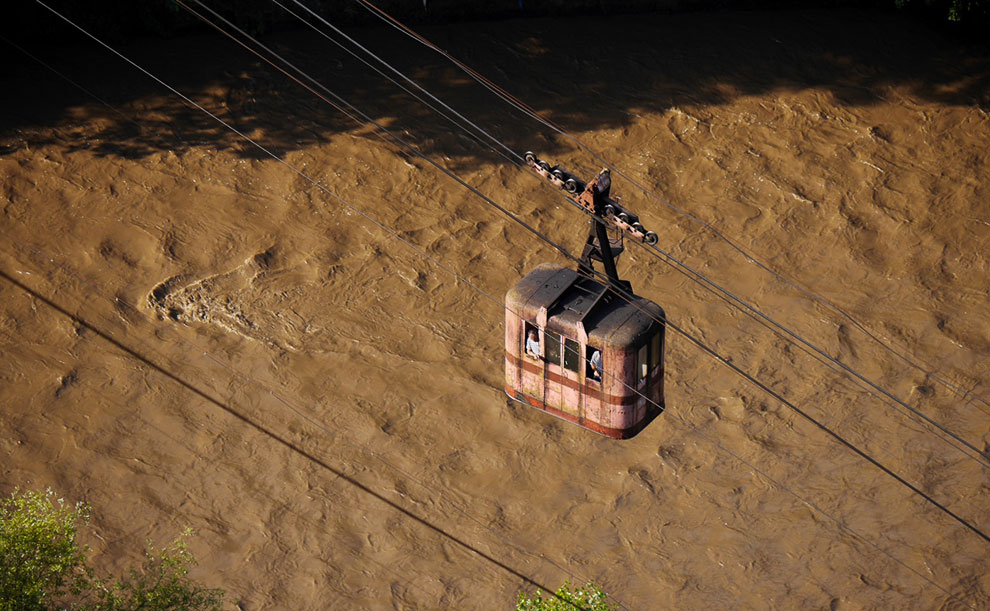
x=593, y=370
x=655, y=351
x=572, y=355
x=531, y=341
x=642, y=363
x=552, y=341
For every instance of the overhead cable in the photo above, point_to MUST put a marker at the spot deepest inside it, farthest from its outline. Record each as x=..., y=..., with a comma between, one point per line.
x=625, y=294
x=226, y=125
x=981, y=457
x=514, y=101
x=343, y=202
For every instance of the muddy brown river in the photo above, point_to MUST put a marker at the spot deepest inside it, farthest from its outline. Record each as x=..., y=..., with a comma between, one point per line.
x=194, y=333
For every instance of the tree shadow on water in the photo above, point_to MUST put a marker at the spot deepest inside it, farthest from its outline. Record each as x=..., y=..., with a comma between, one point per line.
x=581, y=72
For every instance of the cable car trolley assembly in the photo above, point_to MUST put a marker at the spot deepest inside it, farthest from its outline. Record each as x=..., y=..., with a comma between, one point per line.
x=583, y=349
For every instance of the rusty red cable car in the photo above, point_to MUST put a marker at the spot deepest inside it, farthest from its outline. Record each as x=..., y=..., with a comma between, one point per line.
x=573, y=347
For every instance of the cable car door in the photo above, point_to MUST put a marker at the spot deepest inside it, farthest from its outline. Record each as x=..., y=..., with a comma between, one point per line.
x=571, y=382
x=563, y=359
x=552, y=376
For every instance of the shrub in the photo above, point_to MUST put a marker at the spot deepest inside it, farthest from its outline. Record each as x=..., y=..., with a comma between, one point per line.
x=40, y=561
x=968, y=11
x=590, y=597
x=43, y=567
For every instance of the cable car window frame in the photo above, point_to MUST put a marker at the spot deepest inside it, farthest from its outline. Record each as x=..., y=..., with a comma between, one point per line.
x=551, y=347
x=589, y=375
x=642, y=362
x=572, y=355
x=655, y=350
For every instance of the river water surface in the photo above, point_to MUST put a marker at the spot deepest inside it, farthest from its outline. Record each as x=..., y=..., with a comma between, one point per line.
x=195, y=334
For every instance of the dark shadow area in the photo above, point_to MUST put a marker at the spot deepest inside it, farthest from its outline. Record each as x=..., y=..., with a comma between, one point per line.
x=124, y=20
x=581, y=72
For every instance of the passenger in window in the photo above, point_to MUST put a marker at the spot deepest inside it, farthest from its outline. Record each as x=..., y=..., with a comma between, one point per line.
x=596, y=366
x=604, y=183
x=533, y=345
x=600, y=187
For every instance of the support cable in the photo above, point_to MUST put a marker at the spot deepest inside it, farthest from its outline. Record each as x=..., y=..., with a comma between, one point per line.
x=696, y=430
x=278, y=396
x=376, y=223
x=622, y=293
x=519, y=104
x=982, y=457
x=280, y=438
x=252, y=490
x=512, y=154
x=337, y=197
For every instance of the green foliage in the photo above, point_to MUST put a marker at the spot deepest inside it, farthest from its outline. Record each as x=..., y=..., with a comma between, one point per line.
x=590, y=597
x=43, y=567
x=160, y=583
x=40, y=562
x=966, y=11
x=960, y=10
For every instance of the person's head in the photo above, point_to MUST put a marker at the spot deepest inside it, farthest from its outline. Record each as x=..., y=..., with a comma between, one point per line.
x=605, y=171
x=532, y=334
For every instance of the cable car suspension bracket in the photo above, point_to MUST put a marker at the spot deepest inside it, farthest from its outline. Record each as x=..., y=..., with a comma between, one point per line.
x=607, y=213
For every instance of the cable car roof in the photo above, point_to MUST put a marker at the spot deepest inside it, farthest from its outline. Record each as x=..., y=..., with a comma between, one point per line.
x=571, y=298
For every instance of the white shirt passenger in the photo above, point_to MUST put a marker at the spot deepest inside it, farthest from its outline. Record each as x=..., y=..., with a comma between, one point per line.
x=533, y=346
x=596, y=365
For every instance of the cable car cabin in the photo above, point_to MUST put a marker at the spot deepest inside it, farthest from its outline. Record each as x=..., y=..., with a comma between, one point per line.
x=574, y=316
x=573, y=346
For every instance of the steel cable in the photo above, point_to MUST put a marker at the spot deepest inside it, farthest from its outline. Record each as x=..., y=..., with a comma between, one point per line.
x=252, y=490
x=628, y=297
x=248, y=139
x=694, y=429
x=350, y=207
x=514, y=101
x=280, y=438
x=346, y=204
x=982, y=458
x=408, y=80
